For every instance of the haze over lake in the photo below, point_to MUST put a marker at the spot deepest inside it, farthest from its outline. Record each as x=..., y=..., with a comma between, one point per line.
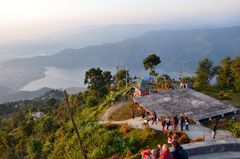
x=57, y=78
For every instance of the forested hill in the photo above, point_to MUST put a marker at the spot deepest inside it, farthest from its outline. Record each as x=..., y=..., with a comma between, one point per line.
x=173, y=46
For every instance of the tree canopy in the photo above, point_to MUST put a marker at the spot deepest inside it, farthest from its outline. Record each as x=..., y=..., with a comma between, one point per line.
x=225, y=74
x=98, y=81
x=150, y=63
x=205, y=72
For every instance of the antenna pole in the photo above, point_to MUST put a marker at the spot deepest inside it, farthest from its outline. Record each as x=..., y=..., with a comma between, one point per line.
x=74, y=125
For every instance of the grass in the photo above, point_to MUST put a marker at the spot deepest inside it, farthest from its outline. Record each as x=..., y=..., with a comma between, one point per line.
x=234, y=98
x=137, y=140
x=125, y=112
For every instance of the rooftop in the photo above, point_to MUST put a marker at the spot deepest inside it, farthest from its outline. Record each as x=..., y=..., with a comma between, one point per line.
x=188, y=101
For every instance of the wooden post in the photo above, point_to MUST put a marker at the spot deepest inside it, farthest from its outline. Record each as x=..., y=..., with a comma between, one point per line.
x=74, y=125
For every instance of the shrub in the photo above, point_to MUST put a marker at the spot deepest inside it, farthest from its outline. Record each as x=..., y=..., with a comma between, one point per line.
x=110, y=126
x=92, y=101
x=49, y=125
x=36, y=147
x=198, y=139
x=184, y=139
x=192, y=121
x=151, y=133
x=223, y=122
x=224, y=95
x=125, y=128
x=236, y=129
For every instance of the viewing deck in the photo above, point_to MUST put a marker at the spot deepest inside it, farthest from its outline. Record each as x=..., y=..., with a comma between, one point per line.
x=187, y=101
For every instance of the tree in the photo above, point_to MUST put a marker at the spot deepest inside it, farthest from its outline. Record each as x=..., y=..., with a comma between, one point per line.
x=27, y=128
x=225, y=75
x=187, y=79
x=150, y=63
x=35, y=148
x=236, y=73
x=204, y=73
x=120, y=77
x=164, y=77
x=107, y=77
x=49, y=125
x=97, y=81
x=51, y=102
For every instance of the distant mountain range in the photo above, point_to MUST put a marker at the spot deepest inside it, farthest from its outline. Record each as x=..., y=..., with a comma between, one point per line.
x=173, y=46
x=176, y=48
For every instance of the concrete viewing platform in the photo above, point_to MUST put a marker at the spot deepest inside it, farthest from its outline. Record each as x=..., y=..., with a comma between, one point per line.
x=188, y=101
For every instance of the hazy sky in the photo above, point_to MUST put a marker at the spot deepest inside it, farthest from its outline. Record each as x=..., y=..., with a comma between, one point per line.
x=23, y=18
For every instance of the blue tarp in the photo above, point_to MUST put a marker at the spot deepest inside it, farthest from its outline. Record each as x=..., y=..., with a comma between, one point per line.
x=148, y=78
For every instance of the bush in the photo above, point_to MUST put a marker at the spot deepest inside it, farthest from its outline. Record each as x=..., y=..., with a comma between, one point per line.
x=184, y=139
x=35, y=145
x=125, y=128
x=192, y=121
x=92, y=101
x=223, y=122
x=151, y=133
x=236, y=129
x=198, y=139
x=110, y=126
x=224, y=95
x=49, y=125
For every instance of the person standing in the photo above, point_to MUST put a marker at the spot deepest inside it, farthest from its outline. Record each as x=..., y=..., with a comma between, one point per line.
x=170, y=138
x=159, y=147
x=165, y=152
x=133, y=113
x=143, y=114
x=168, y=122
x=163, y=123
x=187, y=122
x=176, y=121
x=182, y=122
x=178, y=151
x=154, y=118
x=214, y=130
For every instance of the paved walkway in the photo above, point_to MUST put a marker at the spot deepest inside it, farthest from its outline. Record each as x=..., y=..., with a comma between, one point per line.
x=196, y=130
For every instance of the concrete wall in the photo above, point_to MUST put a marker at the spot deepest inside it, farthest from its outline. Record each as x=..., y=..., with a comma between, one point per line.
x=212, y=147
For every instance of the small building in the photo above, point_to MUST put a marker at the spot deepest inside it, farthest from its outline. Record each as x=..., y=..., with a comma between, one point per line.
x=142, y=88
x=37, y=115
x=186, y=85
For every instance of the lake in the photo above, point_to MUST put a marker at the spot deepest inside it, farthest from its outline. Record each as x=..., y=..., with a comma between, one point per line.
x=56, y=78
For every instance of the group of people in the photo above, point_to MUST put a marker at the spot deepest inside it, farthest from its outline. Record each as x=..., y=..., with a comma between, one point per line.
x=164, y=152
x=168, y=122
x=175, y=122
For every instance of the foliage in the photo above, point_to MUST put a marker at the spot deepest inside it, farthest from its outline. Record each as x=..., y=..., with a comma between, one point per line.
x=236, y=129
x=184, y=139
x=92, y=101
x=223, y=95
x=150, y=63
x=236, y=73
x=49, y=125
x=225, y=75
x=98, y=81
x=187, y=79
x=204, y=73
x=53, y=136
x=198, y=139
x=35, y=148
x=120, y=77
x=164, y=77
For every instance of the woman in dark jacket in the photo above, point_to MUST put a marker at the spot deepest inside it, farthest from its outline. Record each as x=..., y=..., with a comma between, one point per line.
x=178, y=151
